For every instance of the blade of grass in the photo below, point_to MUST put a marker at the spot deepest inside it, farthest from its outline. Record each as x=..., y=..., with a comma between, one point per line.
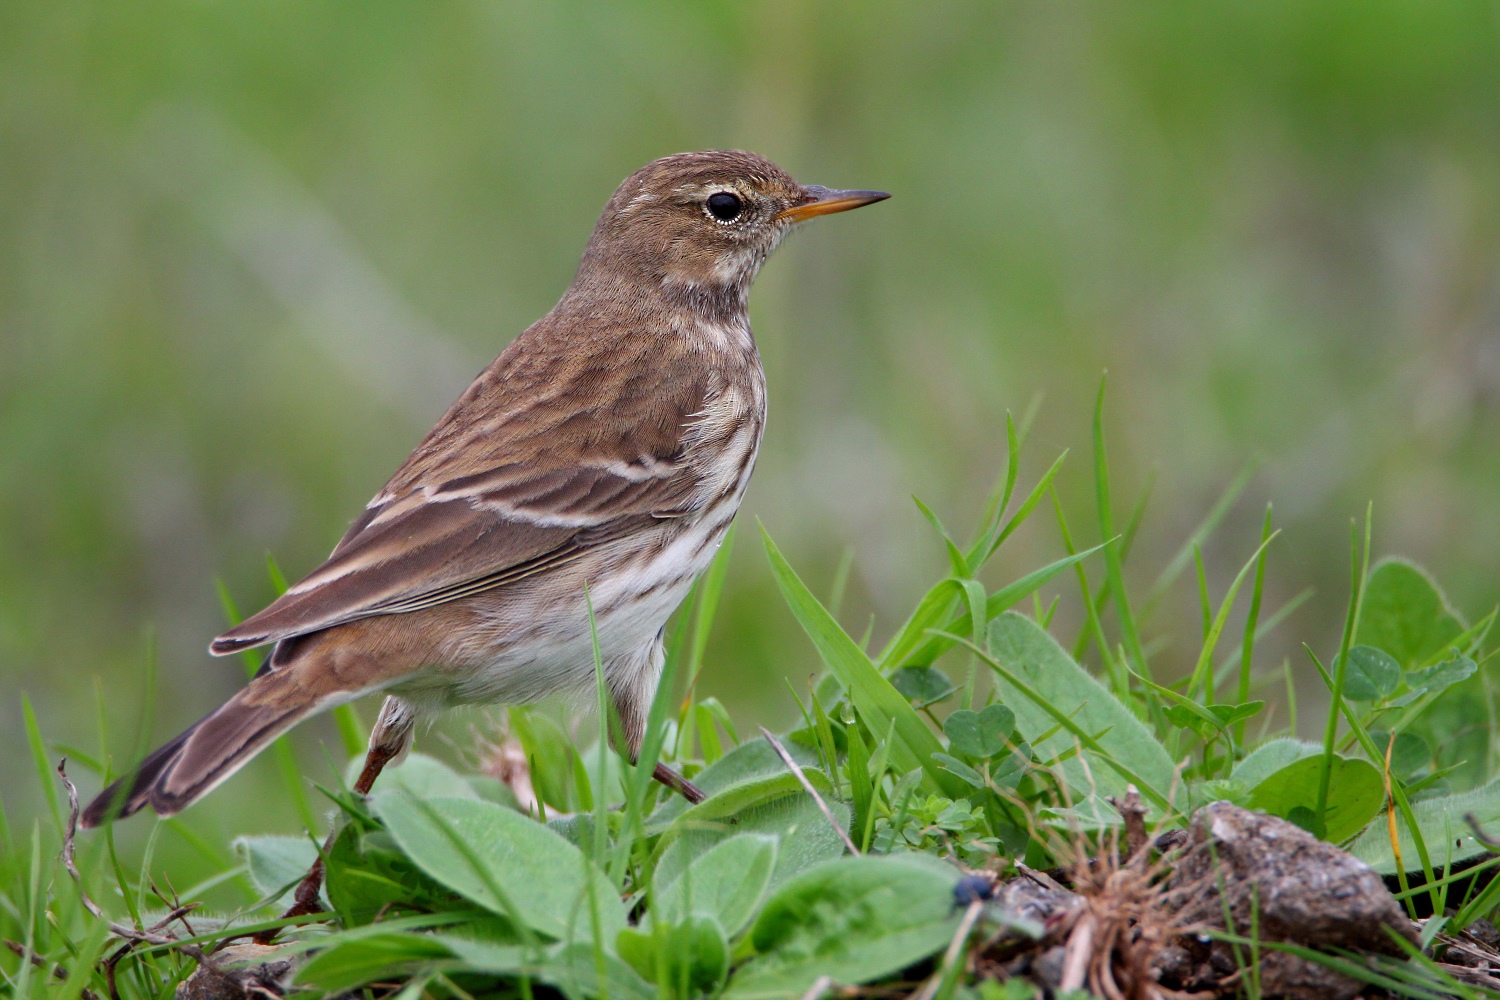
x=710, y=588
x=1202, y=676
x=1247, y=644
x=1112, y=565
x=1359, y=571
x=870, y=691
x=1019, y=517
x=39, y=758
x=1205, y=604
x=840, y=581
x=999, y=498
x=1082, y=735
x=1372, y=750
x=914, y=649
x=1127, y=543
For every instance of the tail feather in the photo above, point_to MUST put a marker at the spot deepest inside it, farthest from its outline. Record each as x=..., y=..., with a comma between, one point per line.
x=205, y=754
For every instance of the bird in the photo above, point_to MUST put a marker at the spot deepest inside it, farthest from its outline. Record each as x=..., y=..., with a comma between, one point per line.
x=574, y=490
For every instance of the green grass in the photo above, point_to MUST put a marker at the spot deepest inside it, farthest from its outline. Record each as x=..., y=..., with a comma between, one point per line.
x=977, y=737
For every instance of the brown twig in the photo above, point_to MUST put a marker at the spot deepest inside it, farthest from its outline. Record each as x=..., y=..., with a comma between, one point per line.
x=151, y=937
x=1134, y=814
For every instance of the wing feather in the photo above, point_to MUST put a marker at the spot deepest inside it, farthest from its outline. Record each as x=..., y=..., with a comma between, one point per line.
x=542, y=459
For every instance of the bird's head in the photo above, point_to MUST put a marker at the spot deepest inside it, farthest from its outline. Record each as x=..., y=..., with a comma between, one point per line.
x=699, y=225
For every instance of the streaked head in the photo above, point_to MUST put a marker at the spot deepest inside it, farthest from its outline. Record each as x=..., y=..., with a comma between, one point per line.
x=703, y=223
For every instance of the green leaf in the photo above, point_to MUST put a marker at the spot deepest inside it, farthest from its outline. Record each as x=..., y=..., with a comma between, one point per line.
x=1441, y=821
x=980, y=734
x=1441, y=676
x=1356, y=791
x=745, y=763
x=505, y=862
x=1268, y=758
x=1372, y=674
x=369, y=876
x=276, y=862
x=692, y=953
x=1230, y=714
x=804, y=836
x=725, y=883
x=876, y=700
x=855, y=920
x=1405, y=614
x=958, y=767
x=1050, y=677
x=576, y=970
x=1409, y=754
x=922, y=685
x=347, y=964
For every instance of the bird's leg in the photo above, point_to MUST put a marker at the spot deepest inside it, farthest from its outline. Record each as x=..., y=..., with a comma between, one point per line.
x=632, y=701
x=389, y=740
x=678, y=783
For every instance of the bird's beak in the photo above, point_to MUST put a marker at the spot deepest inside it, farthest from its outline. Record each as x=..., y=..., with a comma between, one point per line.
x=823, y=201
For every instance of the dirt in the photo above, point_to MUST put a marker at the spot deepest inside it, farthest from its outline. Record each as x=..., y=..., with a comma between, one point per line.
x=1152, y=923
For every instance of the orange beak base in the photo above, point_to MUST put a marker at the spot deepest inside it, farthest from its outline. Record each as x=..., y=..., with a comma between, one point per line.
x=823, y=201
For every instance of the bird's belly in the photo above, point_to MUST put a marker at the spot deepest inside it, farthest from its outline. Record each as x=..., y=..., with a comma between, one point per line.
x=537, y=640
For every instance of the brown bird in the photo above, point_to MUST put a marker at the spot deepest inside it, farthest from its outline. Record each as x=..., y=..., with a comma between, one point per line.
x=604, y=452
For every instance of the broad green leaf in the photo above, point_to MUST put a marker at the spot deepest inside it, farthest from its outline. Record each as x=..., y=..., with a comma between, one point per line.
x=982, y=733
x=1051, y=676
x=1268, y=758
x=1441, y=820
x=551, y=756
x=345, y=965
x=575, y=970
x=692, y=952
x=725, y=883
x=1405, y=614
x=855, y=920
x=803, y=834
x=1409, y=754
x=1356, y=791
x=276, y=862
x=1372, y=674
x=747, y=795
x=878, y=702
x=745, y=763
x=496, y=858
x=369, y=876
x=922, y=685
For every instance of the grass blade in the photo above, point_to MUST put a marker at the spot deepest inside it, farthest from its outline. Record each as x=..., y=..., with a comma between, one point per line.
x=873, y=696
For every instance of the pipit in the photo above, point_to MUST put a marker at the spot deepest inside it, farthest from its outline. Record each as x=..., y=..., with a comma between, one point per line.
x=596, y=464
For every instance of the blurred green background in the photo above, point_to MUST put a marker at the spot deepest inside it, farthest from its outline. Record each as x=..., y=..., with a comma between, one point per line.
x=249, y=252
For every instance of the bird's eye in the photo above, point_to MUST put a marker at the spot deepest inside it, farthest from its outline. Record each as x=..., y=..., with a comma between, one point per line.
x=725, y=206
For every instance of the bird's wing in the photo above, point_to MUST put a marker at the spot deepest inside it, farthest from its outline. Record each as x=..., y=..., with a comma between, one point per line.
x=496, y=493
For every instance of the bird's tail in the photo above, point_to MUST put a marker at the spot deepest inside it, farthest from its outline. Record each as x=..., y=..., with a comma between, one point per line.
x=212, y=749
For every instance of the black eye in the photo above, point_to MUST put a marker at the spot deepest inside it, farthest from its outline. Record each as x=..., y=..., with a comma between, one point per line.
x=725, y=206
